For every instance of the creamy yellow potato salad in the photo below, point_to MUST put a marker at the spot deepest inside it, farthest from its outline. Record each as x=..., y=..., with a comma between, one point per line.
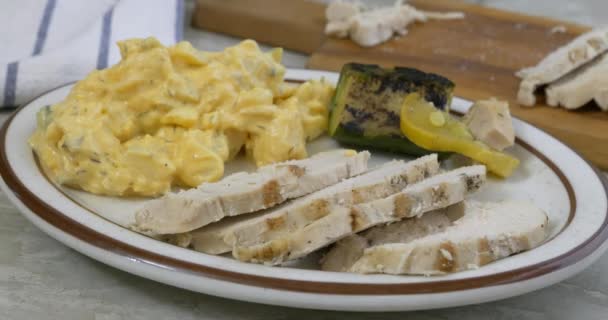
x=171, y=116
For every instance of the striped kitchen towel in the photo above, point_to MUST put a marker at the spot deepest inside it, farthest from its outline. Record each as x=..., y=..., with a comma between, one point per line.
x=47, y=43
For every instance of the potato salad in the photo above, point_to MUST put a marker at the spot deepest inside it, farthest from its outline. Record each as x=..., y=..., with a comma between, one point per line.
x=172, y=116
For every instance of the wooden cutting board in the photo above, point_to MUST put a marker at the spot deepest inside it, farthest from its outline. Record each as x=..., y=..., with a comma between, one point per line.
x=480, y=54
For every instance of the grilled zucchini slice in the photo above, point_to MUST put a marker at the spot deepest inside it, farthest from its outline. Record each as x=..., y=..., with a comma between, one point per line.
x=366, y=108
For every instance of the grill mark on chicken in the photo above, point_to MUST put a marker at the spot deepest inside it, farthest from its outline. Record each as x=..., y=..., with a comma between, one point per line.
x=402, y=205
x=267, y=252
x=446, y=258
x=419, y=174
x=296, y=170
x=275, y=223
x=473, y=183
x=356, y=220
x=271, y=193
x=317, y=210
x=357, y=197
x=439, y=193
x=484, y=252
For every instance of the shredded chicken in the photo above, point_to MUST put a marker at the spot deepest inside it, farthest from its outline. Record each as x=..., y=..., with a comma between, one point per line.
x=369, y=27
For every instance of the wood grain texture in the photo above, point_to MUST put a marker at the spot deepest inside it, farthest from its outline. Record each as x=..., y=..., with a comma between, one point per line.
x=479, y=53
x=294, y=24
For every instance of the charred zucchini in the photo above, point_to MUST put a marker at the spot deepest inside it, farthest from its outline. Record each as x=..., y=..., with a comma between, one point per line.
x=366, y=107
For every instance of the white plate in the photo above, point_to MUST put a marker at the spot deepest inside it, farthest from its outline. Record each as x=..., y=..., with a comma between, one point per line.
x=551, y=175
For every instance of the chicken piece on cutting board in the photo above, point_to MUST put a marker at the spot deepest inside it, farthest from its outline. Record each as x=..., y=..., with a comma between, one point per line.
x=371, y=26
x=560, y=62
x=590, y=82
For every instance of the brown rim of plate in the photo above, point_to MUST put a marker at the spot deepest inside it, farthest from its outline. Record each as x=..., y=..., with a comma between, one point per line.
x=83, y=233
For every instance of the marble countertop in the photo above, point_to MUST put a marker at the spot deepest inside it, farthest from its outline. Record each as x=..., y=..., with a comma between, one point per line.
x=42, y=279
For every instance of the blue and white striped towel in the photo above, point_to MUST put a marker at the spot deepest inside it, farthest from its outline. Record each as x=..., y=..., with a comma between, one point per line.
x=46, y=43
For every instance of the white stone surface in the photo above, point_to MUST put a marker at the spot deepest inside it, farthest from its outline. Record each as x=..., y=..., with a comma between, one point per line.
x=42, y=279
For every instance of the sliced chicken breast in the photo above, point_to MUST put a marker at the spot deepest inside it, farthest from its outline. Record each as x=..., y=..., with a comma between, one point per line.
x=375, y=184
x=560, y=62
x=244, y=192
x=343, y=219
x=346, y=252
x=211, y=238
x=486, y=232
x=590, y=82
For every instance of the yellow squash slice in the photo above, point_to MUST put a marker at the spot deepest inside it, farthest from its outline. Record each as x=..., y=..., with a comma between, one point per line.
x=436, y=130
